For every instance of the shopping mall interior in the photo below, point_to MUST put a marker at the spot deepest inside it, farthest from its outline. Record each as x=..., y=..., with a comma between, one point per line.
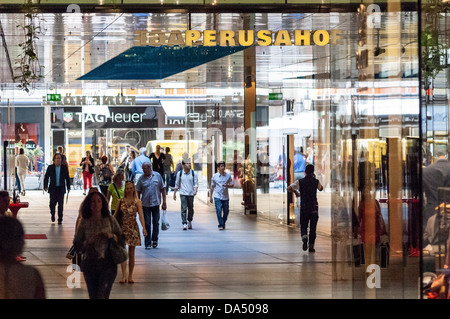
x=347, y=87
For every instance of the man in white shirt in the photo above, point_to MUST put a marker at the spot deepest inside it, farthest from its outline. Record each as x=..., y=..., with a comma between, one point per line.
x=187, y=184
x=220, y=183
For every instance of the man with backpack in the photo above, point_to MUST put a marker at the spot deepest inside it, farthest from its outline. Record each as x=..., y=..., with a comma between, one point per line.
x=106, y=172
x=187, y=184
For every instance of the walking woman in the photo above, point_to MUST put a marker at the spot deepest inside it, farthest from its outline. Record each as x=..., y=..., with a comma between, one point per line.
x=115, y=190
x=307, y=188
x=87, y=164
x=92, y=238
x=126, y=211
x=22, y=162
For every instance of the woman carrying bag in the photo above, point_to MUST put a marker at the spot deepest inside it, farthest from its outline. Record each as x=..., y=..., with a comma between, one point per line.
x=96, y=235
x=115, y=189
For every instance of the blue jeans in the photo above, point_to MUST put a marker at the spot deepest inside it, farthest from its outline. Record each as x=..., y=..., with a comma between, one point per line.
x=222, y=206
x=151, y=218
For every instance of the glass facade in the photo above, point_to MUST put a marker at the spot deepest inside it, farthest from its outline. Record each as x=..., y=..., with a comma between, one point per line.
x=359, y=94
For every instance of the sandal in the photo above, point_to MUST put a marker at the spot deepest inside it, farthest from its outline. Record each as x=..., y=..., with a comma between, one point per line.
x=123, y=281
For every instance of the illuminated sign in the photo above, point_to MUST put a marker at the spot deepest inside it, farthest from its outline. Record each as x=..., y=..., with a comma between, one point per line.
x=79, y=100
x=238, y=38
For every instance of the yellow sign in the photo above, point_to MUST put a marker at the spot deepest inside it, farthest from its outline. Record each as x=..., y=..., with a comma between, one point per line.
x=238, y=38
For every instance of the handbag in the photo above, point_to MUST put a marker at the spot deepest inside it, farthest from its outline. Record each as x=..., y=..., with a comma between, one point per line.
x=118, y=252
x=358, y=252
x=74, y=255
x=164, y=221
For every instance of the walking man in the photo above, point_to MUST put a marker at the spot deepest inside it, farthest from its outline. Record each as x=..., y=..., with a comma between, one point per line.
x=306, y=188
x=220, y=183
x=137, y=166
x=59, y=181
x=187, y=183
x=150, y=186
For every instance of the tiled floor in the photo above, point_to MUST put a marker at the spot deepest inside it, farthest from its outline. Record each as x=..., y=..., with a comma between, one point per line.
x=250, y=259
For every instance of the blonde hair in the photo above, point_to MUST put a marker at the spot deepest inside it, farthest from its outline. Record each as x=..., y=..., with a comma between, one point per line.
x=135, y=196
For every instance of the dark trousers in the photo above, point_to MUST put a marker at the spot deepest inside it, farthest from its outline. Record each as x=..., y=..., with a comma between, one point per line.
x=151, y=218
x=187, y=206
x=100, y=279
x=57, y=197
x=308, y=219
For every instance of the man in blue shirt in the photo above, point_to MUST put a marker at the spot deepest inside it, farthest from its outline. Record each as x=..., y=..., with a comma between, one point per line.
x=220, y=183
x=58, y=175
x=299, y=165
x=150, y=186
x=138, y=161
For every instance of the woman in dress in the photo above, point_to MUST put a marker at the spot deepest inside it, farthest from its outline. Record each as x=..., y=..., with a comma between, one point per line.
x=157, y=159
x=116, y=189
x=126, y=211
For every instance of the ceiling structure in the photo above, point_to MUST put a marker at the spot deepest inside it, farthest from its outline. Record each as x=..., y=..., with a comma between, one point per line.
x=72, y=45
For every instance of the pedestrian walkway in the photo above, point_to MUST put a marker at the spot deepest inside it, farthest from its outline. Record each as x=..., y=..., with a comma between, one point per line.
x=252, y=258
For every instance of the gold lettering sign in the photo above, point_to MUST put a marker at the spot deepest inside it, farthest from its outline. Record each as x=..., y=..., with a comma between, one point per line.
x=240, y=37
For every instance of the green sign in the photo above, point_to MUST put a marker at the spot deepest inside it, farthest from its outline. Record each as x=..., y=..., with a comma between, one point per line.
x=53, y=97
x=275, y=96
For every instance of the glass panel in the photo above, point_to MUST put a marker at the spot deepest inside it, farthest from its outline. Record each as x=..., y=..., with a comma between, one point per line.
x=435, y=149
x=375, y=113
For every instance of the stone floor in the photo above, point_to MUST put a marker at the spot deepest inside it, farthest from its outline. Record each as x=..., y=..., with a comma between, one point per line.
x=251, y=259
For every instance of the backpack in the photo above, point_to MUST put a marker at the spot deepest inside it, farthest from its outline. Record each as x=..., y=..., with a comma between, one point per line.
x=106, y=174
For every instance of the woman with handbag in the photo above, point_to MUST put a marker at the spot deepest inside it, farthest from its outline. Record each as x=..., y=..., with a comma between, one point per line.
x=126, y=211
x=97, y=232
x=116, y=189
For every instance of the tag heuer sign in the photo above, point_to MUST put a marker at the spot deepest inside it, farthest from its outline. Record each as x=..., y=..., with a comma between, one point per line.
x=68, y=117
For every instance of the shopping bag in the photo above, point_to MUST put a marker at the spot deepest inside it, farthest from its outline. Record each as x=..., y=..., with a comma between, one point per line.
x=164, y=221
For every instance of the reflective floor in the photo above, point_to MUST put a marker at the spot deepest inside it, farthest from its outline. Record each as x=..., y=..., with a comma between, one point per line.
x=250, y=259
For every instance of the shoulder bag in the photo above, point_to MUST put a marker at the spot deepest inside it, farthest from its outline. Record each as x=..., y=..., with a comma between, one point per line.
x=118, y=252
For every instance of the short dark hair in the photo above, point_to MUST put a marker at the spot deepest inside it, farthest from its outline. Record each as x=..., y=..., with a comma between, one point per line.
x=4, y=194
x=12, y=238
x=86, y=212
x=309, y=169
x=56, y=154
x=221, y=163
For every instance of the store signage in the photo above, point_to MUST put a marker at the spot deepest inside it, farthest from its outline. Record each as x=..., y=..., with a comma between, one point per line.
x=30, y=145
x=53, y=97
x=80, y=100
x=113, y=117
x=116, y=117
x=238, y=38
x=275, y=96
x=210, y=114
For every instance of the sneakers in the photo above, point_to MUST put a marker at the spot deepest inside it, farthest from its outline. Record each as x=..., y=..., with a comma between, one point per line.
x=155, y=244
x=189, y=225
x=221, y=228
x=184, y=226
